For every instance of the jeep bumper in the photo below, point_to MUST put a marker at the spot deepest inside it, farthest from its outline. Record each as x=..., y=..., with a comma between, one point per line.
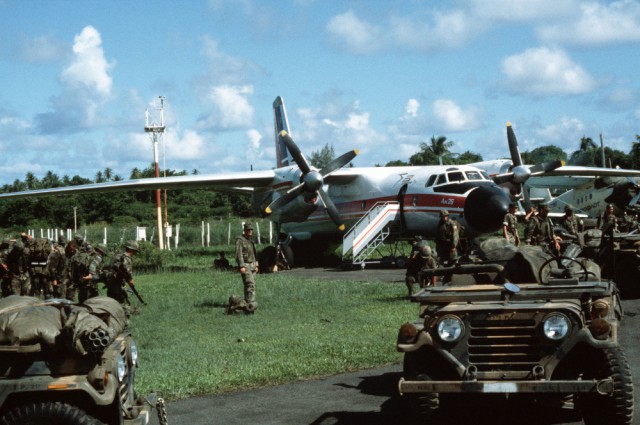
x=602, y=386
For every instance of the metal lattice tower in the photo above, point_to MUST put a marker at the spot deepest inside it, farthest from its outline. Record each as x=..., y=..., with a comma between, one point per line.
x=155, y=126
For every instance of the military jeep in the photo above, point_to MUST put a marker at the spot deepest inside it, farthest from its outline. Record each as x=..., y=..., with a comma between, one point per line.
x=64, y=363
x=529, y=326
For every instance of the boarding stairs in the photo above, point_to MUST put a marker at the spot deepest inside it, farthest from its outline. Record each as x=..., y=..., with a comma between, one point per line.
x=361, y=241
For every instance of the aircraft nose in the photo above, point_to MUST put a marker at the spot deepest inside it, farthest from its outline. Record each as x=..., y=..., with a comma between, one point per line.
x=485, y=208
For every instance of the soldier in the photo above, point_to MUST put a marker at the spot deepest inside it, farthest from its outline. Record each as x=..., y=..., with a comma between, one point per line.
x=247, y=261
x=18, y=263
x=447, y=238
x=629, y=220
x=221, y=263
x=5, y=279
x=121, y=272
x=608, y=217
x=570, y=221
x=510, y=226
x=422, y=259
x=89, y=282
x=541, y=230
x=57, y=269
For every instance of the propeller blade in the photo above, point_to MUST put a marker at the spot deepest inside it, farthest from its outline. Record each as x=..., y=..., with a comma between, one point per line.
x=339, y=162
x=283, y=200
x=295, y=152
x=501, y=179
x=331, y=209
x=545, y=167
x=516, y=159
x=634, y=200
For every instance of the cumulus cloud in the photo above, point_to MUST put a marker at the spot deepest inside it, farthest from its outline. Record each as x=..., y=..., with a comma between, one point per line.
x=86, y=87
x=223, y=68
x=454, y=118
x=546, y=71
x=411, y=110
x=596, y=24
x=230, y=108
x=442, y=29
x=523, y=10
x=355, y=34
x=42, y=49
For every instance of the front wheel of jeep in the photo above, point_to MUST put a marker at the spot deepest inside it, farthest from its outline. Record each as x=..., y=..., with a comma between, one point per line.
x=48, y=414
x=615, y=408
x=422, y=406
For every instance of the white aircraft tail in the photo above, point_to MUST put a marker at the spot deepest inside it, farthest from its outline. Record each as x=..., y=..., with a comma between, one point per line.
x=281, y=122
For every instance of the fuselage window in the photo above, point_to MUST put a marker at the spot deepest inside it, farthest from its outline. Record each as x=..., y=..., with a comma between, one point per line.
x=432, y=179
x=473, y=175
x=441, y=179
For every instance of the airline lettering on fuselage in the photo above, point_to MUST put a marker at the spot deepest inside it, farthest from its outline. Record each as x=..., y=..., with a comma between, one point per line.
x=405, y=178
x=447, y=201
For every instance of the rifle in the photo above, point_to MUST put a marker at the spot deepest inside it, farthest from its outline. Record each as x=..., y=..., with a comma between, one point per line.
x=136, y=293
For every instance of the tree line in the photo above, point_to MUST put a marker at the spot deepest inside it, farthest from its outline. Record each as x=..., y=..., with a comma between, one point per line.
x=126, y=208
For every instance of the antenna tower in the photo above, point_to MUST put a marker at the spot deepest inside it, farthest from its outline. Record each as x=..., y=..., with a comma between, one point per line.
x=155, y=127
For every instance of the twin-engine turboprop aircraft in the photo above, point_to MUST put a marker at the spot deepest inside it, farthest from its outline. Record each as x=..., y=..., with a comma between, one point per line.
x=313, y=207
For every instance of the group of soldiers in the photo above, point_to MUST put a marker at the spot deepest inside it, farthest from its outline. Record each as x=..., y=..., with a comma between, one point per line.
x=61, y=269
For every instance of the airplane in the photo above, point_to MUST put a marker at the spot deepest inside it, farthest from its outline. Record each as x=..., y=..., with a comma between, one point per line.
x=587, y=189
x=313, y=207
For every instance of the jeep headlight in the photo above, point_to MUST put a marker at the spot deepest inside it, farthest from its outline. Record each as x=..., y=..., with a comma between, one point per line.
x=450, y=328
x=556, y=326
x=133, y=352
x=122, y=368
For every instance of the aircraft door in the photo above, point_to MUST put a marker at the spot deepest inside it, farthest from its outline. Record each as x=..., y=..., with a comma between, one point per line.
x=400, y=198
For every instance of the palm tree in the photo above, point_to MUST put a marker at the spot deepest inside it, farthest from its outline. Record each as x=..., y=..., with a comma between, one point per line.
x=440, y=147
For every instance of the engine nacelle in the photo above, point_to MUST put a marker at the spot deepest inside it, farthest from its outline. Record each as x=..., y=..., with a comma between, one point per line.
x=298, y=210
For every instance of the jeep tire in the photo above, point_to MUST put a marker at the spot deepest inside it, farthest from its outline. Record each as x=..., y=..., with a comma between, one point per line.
x=617, y=408
x=48, y=414
x=422, y=406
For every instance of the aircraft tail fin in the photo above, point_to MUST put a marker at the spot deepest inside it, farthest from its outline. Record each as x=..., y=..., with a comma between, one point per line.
x=281, y=122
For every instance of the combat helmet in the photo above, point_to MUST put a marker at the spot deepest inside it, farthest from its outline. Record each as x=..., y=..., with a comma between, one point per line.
x=132, y=245
x=101, y=249
x=425, y=251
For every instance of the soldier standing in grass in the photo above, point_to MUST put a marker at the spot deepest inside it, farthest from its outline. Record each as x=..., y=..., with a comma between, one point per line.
x=247, y=261
x=89, y=283
x=447, y=238
x=121, y=273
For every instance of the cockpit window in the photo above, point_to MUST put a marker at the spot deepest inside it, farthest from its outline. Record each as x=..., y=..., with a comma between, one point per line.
x=485, y=175
x=441, y=179
x=473, y=175
x=431, y=180
x=456, y=176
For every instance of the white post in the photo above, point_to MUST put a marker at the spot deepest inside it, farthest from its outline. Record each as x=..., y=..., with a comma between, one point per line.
x=229, y=235
x=271, y=233
x=104, y=240
x=258, y=229
x=208, y=234
x=202, y=234
x=177, y=239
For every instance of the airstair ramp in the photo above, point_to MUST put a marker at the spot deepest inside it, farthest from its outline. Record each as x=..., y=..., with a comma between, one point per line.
x=370, y=232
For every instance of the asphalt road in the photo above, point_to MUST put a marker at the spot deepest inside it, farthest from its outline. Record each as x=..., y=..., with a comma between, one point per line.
x=371, y=396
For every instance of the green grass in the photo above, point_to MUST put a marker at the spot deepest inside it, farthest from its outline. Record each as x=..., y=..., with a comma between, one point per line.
x=302, y=329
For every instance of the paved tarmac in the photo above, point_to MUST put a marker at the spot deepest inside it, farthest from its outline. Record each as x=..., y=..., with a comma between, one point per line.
x=371, y=396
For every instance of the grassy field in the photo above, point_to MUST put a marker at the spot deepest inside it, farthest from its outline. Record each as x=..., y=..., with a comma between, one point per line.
x=302, y=329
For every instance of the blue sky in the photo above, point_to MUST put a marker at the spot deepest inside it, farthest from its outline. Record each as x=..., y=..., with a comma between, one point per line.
x=382, y=77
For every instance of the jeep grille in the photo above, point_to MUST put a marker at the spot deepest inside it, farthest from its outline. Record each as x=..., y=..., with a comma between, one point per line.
x=504, y=345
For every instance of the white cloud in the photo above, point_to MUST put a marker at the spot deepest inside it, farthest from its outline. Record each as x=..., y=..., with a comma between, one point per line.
x=412, y=108
x=453, y=118
x=40, y=49
x=230, y=108
x=189, y=145
x=89, y=67
x=355, y=34
x=448, y=29
x=596, y=24
x=545, y=71
x=523, y=10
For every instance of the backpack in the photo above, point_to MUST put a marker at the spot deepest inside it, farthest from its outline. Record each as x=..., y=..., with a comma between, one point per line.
x=40, y=250
x=80, y=263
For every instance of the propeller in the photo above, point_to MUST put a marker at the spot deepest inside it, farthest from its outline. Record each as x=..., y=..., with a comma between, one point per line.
x=311, y=181
x=518, y=174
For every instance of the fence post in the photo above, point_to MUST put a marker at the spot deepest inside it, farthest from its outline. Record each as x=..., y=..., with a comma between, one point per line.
x=202, y=234
x=177, y=239
x=208, y=234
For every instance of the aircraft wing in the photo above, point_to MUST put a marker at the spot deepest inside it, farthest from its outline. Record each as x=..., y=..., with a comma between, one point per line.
x=245, y=182
x=572, y=176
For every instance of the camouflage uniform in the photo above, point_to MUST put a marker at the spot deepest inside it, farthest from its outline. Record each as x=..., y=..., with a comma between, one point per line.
x=57, y=269
x=89, y=282
x=121, y=273
x=5, y=279
x=510, y=226
x=540, y=231
x=422, y=259
x=246, y=259
x=447, y=238
x=608, y=217
x=18, y=263
x=571, y=223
